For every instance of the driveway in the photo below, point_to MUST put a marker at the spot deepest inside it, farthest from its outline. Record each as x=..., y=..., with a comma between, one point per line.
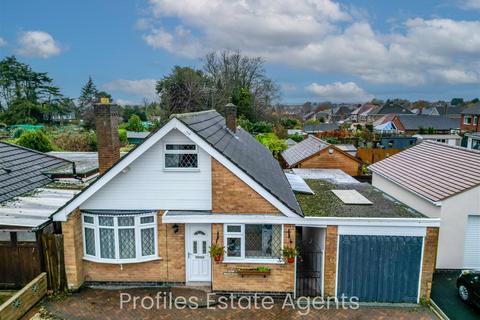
x=105, y=304
x=444, y=294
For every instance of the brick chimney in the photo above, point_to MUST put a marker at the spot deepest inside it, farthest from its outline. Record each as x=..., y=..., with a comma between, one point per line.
x=108, y=143
x=231, y=117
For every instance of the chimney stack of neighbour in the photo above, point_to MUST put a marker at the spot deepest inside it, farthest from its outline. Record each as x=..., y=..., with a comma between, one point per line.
x=231, y=117
x=108, y=143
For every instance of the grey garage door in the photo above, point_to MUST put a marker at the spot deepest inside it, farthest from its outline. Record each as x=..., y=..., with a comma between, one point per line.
x=379, y=268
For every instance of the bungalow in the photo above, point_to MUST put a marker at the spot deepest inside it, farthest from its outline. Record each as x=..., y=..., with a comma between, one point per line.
x=200, y=181
x=440, y=181
x=412, y=124
x=316, y=153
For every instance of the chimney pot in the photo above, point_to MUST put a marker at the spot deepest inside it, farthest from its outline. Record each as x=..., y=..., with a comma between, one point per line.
x=231, y=117
x=108, y=143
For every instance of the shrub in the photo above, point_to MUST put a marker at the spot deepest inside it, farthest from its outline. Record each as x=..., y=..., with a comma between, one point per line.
x=76, y=141
x=122, y=135
x=135, y=124
x=36, y=140
x=297, y=137
x=17, y=133
x=273, y=143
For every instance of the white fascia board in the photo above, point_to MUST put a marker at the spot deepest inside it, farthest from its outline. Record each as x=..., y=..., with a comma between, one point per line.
x=63, y=213
x=320, y=222
x=435, y=203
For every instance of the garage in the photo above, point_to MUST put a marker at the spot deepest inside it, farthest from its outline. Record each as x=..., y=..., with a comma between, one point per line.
x=379, y=268
x=471, y=254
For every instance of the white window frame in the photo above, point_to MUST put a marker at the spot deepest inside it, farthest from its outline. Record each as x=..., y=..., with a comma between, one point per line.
x=241, y=235
x=165, y=152
x=475, y=120
x=469, y=118
x=138, y=238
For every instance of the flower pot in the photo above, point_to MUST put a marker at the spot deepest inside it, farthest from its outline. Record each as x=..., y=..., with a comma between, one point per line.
x=290, y=259
x=217, y=259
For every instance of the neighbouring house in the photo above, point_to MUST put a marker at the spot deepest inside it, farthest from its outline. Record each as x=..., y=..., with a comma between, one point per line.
x=469, y=121
x=361, y=113
x=387, y=109
x=451, y=139
x=473, y=140
x=340, y=113
x=412, y=124
x=200, y=180
x=391, y=263
x=320, y=127
x=136, y=137
x=316, y=153
x=29, y=195
x=439, y=181
x=385, y=124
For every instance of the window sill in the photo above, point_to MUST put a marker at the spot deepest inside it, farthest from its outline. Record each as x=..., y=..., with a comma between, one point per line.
x=255, y=261
x=114, y=261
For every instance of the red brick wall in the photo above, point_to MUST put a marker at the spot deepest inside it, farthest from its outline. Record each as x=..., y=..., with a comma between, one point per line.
x=330, y=264
x=232, y=195
x=472, y=127
x=428, y=263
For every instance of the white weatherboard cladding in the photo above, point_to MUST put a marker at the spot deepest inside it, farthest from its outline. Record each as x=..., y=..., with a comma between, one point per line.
x=471, y=256
x=146, y=185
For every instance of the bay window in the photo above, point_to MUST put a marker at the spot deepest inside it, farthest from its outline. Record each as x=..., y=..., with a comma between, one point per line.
x=253, y=242
x=120, y=238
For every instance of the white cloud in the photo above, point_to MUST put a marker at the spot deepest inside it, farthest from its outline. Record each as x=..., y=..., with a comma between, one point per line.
x=3, y=42
x=470, y=4
x=144, y=88
x=323, y=36
x=37, y=44
x=340, y=92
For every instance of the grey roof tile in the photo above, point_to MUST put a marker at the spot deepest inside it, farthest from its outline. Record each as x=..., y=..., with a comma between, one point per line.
x=303, y=150
x=475, y=109
x=245, y=152
x=22, y=170
x=414, y=122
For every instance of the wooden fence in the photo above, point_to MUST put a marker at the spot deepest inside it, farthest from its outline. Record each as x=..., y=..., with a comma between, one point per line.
x=54, y=261
x=372, y=155
x=20, y=263
x=15, y=307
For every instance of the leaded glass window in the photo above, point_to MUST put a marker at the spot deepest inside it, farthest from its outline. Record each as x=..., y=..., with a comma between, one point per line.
x=181, y=156
x=120, y=238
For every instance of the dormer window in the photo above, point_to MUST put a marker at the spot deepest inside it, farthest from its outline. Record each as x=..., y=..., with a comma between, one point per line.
x=181, y=156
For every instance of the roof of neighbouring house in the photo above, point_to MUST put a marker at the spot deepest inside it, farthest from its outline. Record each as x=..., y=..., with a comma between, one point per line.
x=290, y=142
x=391, y=109
x=307, y=148
x=437, y=136
x=433, y=170
x=414, y=122
x=244, y=151
x=321, y=127
x=86, y=163
x=346, y=147
x=23, y=170
x=475, y=109
x=324, y=203
x=303, y=150
x=137, y=135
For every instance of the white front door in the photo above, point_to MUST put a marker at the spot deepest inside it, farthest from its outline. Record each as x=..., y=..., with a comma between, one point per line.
x=198, y=241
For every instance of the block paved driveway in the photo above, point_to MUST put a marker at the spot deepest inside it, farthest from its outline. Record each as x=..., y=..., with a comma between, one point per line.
x=105, y=304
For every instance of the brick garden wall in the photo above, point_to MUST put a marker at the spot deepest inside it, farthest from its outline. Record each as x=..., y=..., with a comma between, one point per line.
x=73, y=249
x=225, y=277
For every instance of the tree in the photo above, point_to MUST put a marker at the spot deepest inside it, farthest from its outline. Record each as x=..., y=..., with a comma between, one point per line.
x=28, y=96
x=86, y=101
x=273, y=143
x=135, y=124
x=238, y=77
x=183, y=90
x=36, y=140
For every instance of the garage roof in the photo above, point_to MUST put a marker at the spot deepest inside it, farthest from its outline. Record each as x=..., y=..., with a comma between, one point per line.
x=325, y=204
x=433, y=170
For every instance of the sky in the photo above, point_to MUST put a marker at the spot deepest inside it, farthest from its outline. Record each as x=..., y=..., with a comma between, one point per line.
x=315, y=50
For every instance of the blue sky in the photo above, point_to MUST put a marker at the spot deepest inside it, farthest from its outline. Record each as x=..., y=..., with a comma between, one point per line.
x=316, y=50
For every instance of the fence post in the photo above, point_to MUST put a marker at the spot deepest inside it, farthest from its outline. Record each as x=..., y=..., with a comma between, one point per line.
x=54, y=262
